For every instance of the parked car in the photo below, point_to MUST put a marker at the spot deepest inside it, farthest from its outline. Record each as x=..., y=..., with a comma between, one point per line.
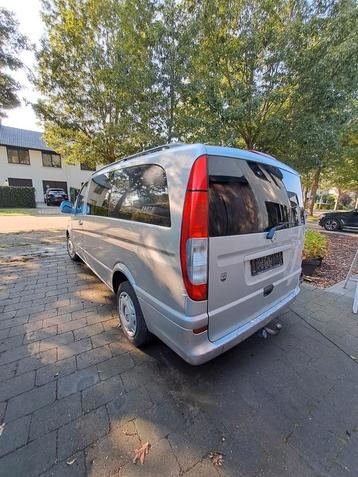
x=55, y=196
x=201, y=244
x=339, y=220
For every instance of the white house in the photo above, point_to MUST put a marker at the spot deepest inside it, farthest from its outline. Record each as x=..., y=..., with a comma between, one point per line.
x=25, y=160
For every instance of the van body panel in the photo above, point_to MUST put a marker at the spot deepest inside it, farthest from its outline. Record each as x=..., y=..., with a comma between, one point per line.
x=149, y=255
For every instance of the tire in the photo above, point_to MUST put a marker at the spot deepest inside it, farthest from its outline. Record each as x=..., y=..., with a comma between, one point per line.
x=71, y=250
x=331, y=225
x=131, y=316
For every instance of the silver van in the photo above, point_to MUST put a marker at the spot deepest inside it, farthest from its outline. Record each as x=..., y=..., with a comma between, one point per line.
x=201, y=244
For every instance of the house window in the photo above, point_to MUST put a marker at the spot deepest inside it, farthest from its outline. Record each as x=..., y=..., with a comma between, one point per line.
x=86, y=167
x=50, y=159
x=15, y=182
x=16, y=155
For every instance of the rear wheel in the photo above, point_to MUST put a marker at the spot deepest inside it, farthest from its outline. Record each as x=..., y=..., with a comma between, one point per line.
x=131, y=316
x=71, y=250
x=331, y=225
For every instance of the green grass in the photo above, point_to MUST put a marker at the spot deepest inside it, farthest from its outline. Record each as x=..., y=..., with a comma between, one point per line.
x=6, y=212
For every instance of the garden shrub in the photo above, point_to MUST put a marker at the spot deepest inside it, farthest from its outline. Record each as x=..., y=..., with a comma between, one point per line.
x=315, y=246
x=23, y=197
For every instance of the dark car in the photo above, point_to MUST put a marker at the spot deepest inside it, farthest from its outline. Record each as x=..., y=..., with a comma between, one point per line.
x=339, y=220
x=55, y=196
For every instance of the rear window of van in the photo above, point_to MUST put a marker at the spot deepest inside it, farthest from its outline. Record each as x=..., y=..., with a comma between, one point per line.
x=248, y=197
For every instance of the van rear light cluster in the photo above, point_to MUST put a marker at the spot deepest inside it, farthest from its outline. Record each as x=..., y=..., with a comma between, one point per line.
x=194, y=232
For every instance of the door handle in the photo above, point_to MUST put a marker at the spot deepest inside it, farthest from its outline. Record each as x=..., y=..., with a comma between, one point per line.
x=80, y=222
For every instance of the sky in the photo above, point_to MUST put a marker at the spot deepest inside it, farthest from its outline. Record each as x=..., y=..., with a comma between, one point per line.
x=27, y=13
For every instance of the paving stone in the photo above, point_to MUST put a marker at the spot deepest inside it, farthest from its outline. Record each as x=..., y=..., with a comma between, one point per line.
x=18, y=353
x=159, y=421
x=93, y=356
x=205, y=468
x=102, y=393
x=7, y=371
x=40, y=334
x=159, y=461
x=37, y=361
x=55, y=415
x=88, y=331
x=77, y=381
x=62, y=469
x=74, y=348
x=113, y=451
x=55, y=371
x=207, y=439
x=10, y=343
x=72, y=325
x=15, y=435
x=16, y=385
x=5, y=324
x=2, y=410
x=25, y=328
x=106, y=337
x=138, y=376
x=128, y=406
x=58, y=340
x=82, y=432
x=30, y=460
x=114, y=366
x=30, y=401
x=4, y=334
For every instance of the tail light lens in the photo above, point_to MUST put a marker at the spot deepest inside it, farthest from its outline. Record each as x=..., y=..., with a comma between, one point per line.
x=194, y=233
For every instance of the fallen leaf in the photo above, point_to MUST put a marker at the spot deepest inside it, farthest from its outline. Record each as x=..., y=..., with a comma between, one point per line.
x=354, y=357
x=216, y=458
x=139, y=454
x=2, y=427
x=71, y=462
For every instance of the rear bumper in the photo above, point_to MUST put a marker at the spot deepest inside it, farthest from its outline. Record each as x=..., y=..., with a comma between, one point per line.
x=198, y=349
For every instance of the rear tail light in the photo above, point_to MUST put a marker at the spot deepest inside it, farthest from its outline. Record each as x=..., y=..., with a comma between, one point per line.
x=194, y=233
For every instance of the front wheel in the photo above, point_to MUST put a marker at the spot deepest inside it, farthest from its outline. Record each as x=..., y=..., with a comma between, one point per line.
x=131, y=316
x=331, y=225
x=71, y=250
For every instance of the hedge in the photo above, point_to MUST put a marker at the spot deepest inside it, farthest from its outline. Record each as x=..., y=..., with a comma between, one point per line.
x=17, y=197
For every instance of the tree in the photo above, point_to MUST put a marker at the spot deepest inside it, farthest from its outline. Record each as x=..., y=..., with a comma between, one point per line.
x=96, y=78
x=11, y=44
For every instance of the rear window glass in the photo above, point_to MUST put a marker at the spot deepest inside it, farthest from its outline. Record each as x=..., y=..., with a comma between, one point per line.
x=248, y=197
x=140, y=193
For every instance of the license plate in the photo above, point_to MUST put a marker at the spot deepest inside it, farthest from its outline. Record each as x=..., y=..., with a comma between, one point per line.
x=263, y=264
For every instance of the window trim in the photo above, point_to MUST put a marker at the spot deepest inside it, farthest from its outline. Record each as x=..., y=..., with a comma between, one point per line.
x=17, y=149
x=51, y=153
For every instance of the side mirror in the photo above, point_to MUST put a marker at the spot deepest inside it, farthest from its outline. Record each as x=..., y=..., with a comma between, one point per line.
x=66, y=207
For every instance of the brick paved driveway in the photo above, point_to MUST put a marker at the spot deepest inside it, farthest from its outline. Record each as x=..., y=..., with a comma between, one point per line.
x=76, y=398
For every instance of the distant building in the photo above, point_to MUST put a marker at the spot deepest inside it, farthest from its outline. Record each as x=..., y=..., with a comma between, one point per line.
x=25, y=160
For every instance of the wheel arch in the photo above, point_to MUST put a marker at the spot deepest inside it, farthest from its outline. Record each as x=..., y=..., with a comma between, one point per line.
x=121, y=274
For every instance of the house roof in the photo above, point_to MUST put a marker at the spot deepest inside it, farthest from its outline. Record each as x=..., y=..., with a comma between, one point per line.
x=22, y=138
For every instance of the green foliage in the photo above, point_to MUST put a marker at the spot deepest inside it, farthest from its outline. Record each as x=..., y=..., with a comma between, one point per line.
x=11, y=44
x=315, y=246
x=17, y=197
x=279, y=76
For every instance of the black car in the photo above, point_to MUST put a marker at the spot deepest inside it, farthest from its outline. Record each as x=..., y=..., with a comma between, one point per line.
x=55, y=196
x=339, y=220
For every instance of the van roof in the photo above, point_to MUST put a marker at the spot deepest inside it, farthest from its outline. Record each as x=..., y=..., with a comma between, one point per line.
x=200, y=148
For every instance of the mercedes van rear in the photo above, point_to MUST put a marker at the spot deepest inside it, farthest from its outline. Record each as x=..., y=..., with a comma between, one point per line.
x=201, y=244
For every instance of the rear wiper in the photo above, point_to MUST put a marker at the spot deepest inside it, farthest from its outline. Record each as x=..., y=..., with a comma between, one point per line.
x=271, y=232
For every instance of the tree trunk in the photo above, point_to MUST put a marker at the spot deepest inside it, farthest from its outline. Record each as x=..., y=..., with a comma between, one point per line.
x=336, y=204
x=314, y=188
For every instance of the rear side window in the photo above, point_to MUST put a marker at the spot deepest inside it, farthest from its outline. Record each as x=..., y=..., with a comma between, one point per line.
x=99, y=195
x=249, y=197
x=140, y=193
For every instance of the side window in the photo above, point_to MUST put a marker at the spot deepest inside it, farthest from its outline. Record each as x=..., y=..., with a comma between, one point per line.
x=79, y=204
x=98, y=195
x=140, y=194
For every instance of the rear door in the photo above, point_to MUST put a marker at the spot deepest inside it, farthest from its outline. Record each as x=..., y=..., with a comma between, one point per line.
x=249, y=273
x=77, y=219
